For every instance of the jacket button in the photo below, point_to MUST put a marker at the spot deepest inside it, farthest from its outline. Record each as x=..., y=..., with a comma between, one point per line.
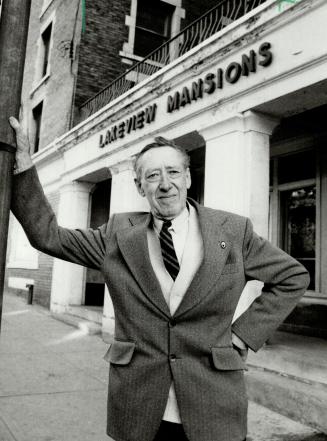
x=172, y=323
x=172, y=357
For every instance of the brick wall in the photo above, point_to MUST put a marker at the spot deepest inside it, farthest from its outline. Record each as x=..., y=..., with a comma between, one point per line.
x=96, y=60
x=56, y=91
x=99, y=59
x=42, y=276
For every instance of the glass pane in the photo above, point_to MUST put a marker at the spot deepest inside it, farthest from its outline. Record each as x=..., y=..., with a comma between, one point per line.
x=298, y=210
x=297, y=167
x=155, y=16
x=146, y=42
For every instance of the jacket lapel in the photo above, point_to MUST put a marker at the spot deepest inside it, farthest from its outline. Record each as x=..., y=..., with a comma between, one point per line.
x=133, y=244
x=216, y=250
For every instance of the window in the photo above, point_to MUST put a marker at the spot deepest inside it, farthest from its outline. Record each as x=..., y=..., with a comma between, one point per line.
x=294, y=207
x=45, y=50
x=153, y=25
x=298, y=222
x=197, y=158
x=99, y=214
x=37, y=117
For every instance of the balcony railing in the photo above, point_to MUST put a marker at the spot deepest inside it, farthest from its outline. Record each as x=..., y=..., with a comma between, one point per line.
x=224, y=13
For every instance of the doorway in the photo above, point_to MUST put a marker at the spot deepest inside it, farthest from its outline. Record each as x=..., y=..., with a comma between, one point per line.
x=99, y=214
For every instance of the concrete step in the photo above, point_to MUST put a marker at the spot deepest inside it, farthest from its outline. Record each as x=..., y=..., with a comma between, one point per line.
x=86, y=326
x=289, y=376
x=293, y=355
x=300, y=401
x=89, y=313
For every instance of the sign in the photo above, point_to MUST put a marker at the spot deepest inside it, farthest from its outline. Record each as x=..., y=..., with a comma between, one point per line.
x=135, y=122
x=207, y=85
x=214, y=81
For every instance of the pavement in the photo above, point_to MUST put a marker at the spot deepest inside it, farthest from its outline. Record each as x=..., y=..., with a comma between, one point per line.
x=53, y=383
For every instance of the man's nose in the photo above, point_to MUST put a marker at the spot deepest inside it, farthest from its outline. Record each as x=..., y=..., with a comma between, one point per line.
x=164, y=183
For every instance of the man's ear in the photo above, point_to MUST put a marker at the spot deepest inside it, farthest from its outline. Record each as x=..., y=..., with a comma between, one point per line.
x=188, y=178
x=139, y=187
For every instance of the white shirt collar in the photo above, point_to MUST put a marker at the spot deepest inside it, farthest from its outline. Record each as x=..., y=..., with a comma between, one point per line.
x=178, y=224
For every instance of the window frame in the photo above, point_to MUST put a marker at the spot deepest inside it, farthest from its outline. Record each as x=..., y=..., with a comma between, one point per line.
x=127, y=52
x=276, y=190
x=37, y=129
x=165, y=36
x=39, y=77
x=46, y=44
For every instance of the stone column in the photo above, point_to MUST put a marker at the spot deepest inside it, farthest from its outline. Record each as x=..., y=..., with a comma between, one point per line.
x=68, y=278
x=124, y=197
x=124, y=194
x=237, y=174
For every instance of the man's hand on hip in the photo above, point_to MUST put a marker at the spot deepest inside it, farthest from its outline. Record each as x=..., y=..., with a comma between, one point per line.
x=240, y=346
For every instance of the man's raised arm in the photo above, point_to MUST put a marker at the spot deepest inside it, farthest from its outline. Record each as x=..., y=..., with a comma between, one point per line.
x=33, y=211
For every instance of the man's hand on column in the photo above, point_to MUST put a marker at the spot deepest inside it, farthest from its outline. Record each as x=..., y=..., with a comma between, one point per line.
x=23, y=158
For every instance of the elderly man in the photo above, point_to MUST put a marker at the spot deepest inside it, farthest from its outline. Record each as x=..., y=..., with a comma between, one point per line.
x=175, y=276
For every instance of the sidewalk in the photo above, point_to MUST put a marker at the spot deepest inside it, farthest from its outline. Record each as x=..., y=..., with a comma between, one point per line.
x=53, y=384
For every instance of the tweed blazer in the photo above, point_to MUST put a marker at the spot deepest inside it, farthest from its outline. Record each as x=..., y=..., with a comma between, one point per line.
x=194, y=346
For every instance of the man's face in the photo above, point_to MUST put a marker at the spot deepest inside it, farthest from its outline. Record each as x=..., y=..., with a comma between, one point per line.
x=164, y=181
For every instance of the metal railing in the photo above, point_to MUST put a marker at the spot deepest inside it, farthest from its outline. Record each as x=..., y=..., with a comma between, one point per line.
x=224, y=13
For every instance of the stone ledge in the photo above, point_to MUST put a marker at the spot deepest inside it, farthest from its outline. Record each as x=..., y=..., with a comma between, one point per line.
x=88, y=327
x=300, y=401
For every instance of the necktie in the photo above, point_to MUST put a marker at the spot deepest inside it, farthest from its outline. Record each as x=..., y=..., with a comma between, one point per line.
x=168, y=250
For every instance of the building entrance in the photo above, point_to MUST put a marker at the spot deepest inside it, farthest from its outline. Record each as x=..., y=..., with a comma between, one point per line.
x=100, y=207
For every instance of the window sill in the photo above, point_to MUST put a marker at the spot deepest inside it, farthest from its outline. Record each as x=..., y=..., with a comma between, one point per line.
x=312, y=297
x=129, y=58
x=22, y=265
x=45, y=8
x=39, y=84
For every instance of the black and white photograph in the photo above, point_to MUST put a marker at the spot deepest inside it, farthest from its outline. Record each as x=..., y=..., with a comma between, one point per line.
x=163, y=220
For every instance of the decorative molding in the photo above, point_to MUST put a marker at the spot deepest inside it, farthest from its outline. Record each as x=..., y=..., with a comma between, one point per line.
x=39, y=84
x=45, y=7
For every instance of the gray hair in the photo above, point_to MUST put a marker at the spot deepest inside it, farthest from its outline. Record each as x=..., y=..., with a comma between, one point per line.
x=161, y=142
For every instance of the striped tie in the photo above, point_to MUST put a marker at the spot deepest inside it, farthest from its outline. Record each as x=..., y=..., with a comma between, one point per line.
x=168, y=250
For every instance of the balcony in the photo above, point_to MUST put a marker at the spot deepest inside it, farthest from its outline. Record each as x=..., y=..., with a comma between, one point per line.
x=224, y=13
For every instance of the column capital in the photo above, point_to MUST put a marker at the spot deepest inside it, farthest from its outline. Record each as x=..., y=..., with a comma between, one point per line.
x=260, y=122
x=76, y=187
x=120, y=167
x=241, y=122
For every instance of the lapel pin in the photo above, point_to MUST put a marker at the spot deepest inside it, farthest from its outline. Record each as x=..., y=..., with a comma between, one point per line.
x=223, y=245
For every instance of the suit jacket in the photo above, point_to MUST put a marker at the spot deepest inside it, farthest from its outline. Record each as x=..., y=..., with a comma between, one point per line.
x=193, y=347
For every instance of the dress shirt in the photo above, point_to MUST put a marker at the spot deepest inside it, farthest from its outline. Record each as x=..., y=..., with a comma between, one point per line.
x=188, y=244
x=178, y=230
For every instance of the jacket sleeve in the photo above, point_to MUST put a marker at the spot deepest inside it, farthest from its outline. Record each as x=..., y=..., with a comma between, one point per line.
x=285, y=281
x=31, y=208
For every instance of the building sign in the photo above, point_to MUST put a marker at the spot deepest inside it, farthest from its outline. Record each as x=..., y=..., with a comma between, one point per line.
x=210, y=83
x=214, y=81
x=134, y=122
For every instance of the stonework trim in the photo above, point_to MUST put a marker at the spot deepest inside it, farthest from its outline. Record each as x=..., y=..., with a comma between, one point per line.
x=45, y=7
x=241, y=122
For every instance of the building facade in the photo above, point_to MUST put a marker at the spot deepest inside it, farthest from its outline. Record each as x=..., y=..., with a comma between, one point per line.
x=248, y=103
x=74, y=49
